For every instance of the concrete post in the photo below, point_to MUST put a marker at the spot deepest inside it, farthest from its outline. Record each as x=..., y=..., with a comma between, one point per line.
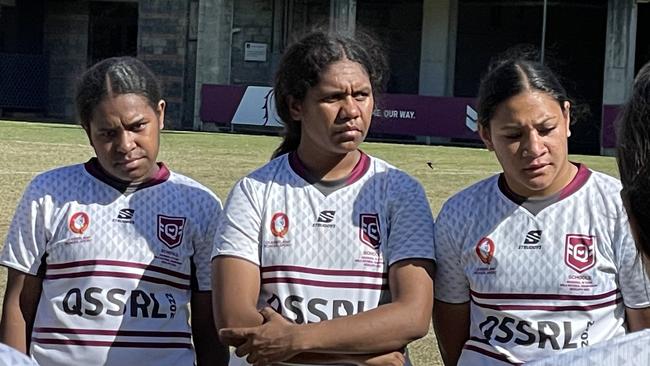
x=434, y=56
x=343, y=16
x=214, y=38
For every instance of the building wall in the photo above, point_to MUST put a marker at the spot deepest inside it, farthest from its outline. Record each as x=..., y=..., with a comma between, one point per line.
x=66, y=43
x=252, y=22
x=162, y=44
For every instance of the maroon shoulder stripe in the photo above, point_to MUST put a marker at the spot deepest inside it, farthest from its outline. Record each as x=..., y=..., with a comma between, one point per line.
x=490, y=354
x=549, y=307
x=79, y=342
x=105, y=262
x=514, y=296
x=125, y=333
x=329, y=272
x=119, y=275
x=301, y=281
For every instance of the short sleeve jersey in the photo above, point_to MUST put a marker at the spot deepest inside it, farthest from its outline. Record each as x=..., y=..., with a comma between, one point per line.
x=539, y=281
x=325, y=256
x=118, y=269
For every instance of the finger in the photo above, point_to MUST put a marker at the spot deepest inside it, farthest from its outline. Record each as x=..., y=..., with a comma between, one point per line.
x=233, y=336
x=268, y=313
x=244, y=349
x=252, y=358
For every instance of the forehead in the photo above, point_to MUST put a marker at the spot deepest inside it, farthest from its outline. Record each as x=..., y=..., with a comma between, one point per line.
x=121, y=108
x=344, y=72
x=527, y=107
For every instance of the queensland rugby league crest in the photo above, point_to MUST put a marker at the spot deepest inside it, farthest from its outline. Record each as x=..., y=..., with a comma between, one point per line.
x=170, y=230
x=580, y=252
x=369, y=232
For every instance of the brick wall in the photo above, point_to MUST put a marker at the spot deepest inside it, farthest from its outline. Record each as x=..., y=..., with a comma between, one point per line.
x=254, y=19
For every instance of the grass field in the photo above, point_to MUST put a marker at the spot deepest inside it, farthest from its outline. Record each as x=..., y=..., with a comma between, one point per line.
x=218, y=160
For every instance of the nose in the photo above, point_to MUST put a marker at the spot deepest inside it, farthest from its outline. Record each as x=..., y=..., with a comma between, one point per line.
x=349, y=109
x=534, y=146
x=125, y=142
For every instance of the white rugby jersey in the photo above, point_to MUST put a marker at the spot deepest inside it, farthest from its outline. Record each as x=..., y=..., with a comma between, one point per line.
x=325, y=256
x=542, y=282
x=118, y=269
x=632, y=349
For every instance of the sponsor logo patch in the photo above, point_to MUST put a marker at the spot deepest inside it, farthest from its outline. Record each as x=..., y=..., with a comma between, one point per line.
x=369, y=231
x=79, y=222
x=125, y=216
x=170, y=230
x=279, y=224
x=532, y=240
x=580, y=252
x=325, y=219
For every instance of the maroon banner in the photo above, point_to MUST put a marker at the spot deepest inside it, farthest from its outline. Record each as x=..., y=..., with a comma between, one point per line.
x=395, y=114
x=608, y=128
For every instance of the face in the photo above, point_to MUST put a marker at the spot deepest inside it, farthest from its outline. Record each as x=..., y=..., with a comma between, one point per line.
x=335, y=113
x=125, y=133
x=528, y=133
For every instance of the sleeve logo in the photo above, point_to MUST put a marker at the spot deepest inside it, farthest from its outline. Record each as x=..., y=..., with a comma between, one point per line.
x=580, y=252
x=369, y=231
x=170, y=230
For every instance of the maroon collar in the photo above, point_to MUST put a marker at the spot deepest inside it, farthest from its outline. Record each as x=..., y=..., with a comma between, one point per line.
x=576, y=183
x=93, y=167
x=357, y=172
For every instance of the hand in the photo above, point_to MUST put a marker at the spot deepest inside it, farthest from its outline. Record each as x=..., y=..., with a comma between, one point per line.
x=389, y=359
x=273, y=341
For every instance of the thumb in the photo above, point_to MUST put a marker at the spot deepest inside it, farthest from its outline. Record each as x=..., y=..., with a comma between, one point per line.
x=233, y=336
x=269, y=314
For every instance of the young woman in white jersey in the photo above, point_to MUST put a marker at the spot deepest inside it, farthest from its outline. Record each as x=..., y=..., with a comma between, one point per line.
x=324, y=254
x=633, y=157
x=105, y=258
x=537, y=260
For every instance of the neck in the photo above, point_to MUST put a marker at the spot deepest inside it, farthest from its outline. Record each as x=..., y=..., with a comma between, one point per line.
x=329, y=167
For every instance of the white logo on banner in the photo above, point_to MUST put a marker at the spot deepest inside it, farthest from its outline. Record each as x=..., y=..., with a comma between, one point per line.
x=470, y=118
x=257, y=107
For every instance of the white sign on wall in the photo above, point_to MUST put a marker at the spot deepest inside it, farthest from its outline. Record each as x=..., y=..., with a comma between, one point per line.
x=255, y=51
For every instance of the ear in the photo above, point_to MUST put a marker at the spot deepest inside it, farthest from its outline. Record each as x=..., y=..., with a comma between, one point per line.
x=86, y=127
x=566, y=113
x=484, y=133
x=295, y=108
x=161, y=114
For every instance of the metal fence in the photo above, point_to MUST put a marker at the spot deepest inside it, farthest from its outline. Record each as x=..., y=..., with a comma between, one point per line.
x=23, y=81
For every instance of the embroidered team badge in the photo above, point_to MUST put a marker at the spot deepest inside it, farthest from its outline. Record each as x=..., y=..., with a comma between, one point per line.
x=580, y=252
x=79, y=222
x=485, y=250
x=279, y=224
x=369, y=232
x=170, y=230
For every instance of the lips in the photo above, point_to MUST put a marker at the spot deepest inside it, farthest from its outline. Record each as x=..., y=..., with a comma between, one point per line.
x=532, y=168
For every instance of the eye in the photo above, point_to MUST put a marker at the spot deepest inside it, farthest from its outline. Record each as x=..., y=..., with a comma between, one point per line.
x=513, y=136
x=107, y=134
x=139, y=126
x=545, y=130
x=361, y=96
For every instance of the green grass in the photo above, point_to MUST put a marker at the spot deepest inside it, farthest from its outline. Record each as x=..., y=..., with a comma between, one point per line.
x=218, y=160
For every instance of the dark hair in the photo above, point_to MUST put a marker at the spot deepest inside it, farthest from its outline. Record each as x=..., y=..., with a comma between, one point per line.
x=633, y=156
x=512, y=74
x=303, y=62
x=114, y=76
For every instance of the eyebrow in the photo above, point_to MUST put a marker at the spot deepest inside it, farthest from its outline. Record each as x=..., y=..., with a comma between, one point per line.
x=518, y=126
